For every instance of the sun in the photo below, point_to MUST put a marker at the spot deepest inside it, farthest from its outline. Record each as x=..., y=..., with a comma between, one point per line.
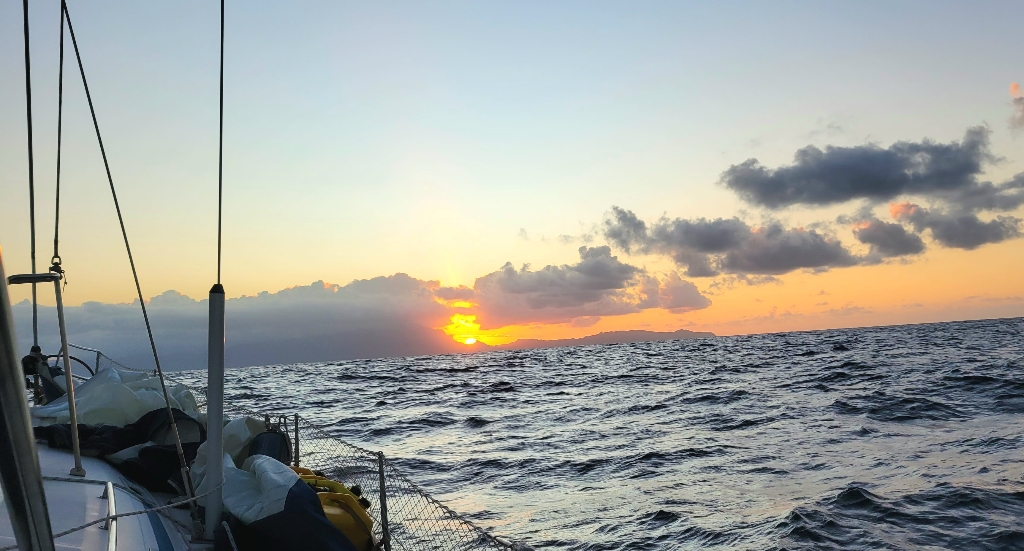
x=470, y=340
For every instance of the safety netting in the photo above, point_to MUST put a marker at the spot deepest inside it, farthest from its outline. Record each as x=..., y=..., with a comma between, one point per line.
x=415, y=521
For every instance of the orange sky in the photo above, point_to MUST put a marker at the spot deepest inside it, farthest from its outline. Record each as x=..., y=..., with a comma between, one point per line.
x=943, y=285
x=446, y=152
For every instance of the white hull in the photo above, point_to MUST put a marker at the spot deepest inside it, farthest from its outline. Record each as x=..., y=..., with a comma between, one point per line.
x=74, y=501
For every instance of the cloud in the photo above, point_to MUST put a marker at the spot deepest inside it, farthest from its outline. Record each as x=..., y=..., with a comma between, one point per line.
x=826, y=128
x=981, y=196
x=454, y=293
x=727, y=245
x=625, y=230
x=839, y=174
x=957, y=230
x=598, y=285
x=383, y=316
x=775, y=250
x=585, y=321
x=886, y=240
x=1017, y=101
x=679, y=296
x=396, y=315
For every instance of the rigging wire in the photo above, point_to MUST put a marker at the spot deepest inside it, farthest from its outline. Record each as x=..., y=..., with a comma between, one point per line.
x=138, y=288
x=220, y=148
x=55, y=260
x=31, y=178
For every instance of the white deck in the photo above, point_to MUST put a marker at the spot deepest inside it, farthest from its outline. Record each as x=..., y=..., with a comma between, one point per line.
x=75, y=503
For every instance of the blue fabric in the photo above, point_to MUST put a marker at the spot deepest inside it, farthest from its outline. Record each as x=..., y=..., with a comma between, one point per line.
x=301, y=526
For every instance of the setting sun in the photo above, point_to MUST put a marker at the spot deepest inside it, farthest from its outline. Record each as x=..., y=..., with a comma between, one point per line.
x=470, y=340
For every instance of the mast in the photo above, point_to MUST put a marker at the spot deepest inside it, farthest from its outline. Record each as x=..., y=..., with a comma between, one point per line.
x=19, y=465
x=215, y=358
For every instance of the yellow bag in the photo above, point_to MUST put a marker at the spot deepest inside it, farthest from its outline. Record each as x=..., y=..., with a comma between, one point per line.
x=347, y=515
x=342, y=508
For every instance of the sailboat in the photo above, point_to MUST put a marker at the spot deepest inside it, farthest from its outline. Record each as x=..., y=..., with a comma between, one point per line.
x=128, y=459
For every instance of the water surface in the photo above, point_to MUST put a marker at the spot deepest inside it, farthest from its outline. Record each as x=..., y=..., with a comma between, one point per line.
x=903, y=437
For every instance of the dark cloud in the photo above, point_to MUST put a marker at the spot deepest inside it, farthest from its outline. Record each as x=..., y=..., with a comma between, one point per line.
x=383, y=316
x=775, y=250
x=598, y=285
x=958, y=230
x=710, y=247
x=839, y=174
x=625, y=230
x=981, y=196
x=597, y=273
x=886, y=240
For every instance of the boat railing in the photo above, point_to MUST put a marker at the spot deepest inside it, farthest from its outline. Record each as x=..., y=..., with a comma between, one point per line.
x=404, y=515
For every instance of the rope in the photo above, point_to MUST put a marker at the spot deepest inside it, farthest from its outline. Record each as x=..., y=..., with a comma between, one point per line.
x=231, y=537
x=121, y=515
x=31, y=177
x=220, y=150
x=55, y=260
x=131, y=260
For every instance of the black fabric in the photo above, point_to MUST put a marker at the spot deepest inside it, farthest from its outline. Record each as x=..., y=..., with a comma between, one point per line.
x=157, y=467
x=29, y=365
x=272, y=443
x=51, y=390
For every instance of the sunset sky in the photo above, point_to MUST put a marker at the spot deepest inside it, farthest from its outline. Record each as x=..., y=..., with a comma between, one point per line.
x=535, y=169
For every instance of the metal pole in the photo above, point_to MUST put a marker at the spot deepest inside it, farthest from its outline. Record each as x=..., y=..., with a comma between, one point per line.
x=19, y=465
x=215, y=409
x=296, y=439
x=385, y=536
x=52, y=277
x=77, y=470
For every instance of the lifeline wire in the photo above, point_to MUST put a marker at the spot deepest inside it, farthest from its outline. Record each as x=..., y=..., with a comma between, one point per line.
x=191, y=500
x=138, y=288
x=31, y=177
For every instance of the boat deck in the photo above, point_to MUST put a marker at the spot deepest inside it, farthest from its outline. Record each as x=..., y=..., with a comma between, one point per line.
x=74, y=501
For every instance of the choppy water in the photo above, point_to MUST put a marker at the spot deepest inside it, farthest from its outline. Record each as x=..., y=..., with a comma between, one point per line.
x=913, y=438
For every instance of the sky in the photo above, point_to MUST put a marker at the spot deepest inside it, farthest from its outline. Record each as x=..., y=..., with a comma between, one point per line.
x=421, y=175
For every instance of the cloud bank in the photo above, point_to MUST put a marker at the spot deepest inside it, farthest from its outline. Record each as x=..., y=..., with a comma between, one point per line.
x=383, y=316
x=396, y=315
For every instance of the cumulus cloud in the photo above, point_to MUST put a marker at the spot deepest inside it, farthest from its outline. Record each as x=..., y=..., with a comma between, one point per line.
x=727, y=245
x=776, y=250
x=961, y=230
x=945, y=176
x=598, y=285
x=679, y=296
x=839, y=174
x=886, y=239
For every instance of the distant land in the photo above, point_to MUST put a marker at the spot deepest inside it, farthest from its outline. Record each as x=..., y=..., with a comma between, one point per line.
x=608, y=337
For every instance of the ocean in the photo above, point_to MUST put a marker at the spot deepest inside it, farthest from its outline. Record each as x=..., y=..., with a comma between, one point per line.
x=907, y=437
